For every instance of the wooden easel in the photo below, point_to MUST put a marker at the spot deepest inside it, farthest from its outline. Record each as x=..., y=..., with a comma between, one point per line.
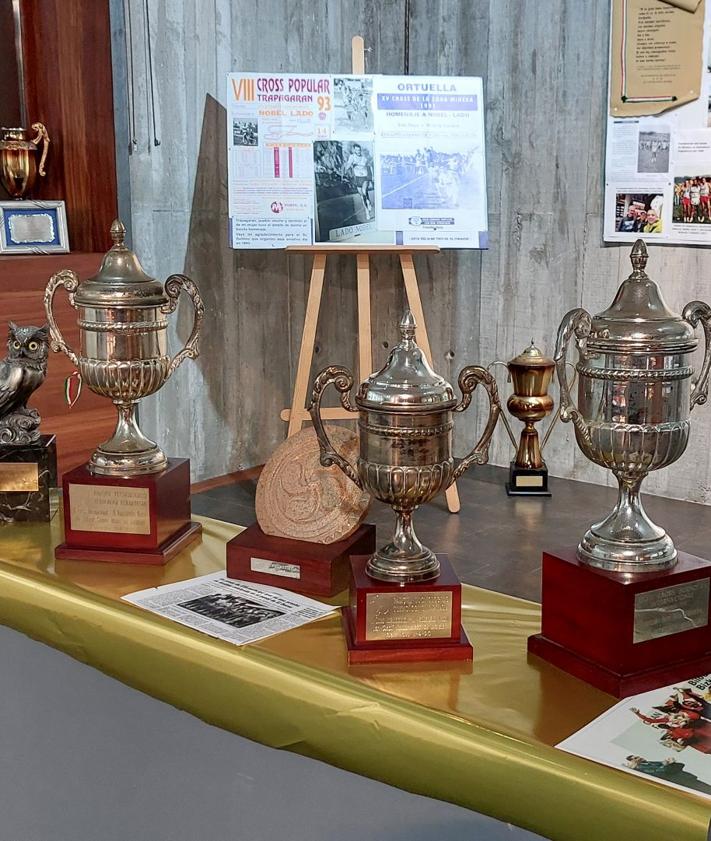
x=297, y=414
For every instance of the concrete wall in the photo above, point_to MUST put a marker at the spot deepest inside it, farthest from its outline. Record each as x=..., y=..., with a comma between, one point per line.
x=544, y=70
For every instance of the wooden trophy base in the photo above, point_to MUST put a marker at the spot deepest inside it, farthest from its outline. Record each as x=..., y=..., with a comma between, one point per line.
x=404, y=623
x=625, y=634
x=141, y=520
x=27, y=472
x=319, y=569
x=527, y=481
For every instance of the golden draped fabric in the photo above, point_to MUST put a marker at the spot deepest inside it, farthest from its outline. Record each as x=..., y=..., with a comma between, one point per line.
x=477, y=735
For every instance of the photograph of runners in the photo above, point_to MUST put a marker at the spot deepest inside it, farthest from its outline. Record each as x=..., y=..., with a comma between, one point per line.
x=427, y=179
x=345, y=188
x=653, y=151
x=691, y=199
x=245, y=133
x=352, y=110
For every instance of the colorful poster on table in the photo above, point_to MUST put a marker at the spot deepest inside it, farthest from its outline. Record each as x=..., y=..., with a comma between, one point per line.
x=663, y=735
x=658, y=167
x=348, y=159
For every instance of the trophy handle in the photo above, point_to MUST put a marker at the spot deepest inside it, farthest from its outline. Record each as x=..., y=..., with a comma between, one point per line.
x=695, y=312
x=343, y=381
x=173, y=287
x=577, y=322
x=70, y=282
x=44, y=137
x=469, y=378
x=556, y=415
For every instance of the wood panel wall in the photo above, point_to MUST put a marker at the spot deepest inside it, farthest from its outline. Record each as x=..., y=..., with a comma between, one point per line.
x=92, y=419
x=67, y=53
x=544, y=70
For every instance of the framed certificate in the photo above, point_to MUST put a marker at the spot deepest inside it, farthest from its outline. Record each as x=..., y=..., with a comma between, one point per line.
x=33, y=227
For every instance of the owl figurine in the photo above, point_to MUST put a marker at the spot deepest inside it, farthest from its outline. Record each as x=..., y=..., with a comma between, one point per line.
x=21, y=372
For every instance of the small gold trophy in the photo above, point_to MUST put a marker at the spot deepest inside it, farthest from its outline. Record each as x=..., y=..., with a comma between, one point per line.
x=531, y=373
x=18, y=154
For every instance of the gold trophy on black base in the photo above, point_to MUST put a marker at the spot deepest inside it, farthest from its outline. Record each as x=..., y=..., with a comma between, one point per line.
x=531, y=373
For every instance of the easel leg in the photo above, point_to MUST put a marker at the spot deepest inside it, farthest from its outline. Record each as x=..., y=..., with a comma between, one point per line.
x=365, y=342
x=308, y=337
x=415, y=303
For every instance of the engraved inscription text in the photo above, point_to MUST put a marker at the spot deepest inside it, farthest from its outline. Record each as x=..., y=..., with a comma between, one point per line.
x=18, y=476
x=670, y=610
x=392, y=616
x=109, y=508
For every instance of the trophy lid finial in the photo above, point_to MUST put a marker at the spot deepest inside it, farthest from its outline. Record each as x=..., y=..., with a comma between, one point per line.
x=118, y=232
x=639, y=256
x=408, y=325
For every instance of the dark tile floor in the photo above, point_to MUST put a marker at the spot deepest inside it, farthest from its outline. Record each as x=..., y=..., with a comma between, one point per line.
x=496, y=541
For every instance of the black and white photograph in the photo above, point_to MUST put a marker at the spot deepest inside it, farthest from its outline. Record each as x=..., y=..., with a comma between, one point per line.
x=352, y=108
x=230, y=610
x=427, y=179
x=653, y=151
x=345, y=187
x=245, y=133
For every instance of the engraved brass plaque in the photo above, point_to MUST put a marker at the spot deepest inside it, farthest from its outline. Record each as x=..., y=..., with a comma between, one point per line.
x=109, y=508
x=275, y=567
x=422, y=615
x=529, y=481
x=670, y=610
x=18, y=476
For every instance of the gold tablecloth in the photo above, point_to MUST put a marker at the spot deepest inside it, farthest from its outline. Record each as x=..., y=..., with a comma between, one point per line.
x=478, y=736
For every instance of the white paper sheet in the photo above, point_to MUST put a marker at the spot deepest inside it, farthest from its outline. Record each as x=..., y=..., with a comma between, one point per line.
x=236, y=611
x=664, y=735
x=662, y=165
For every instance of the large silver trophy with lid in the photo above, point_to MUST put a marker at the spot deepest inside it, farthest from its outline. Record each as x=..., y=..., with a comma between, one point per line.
x=405, y=459
x=123, y=324
x=635, y=394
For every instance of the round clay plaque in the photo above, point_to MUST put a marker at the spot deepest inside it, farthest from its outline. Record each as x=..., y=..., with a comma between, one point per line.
x=299, y=499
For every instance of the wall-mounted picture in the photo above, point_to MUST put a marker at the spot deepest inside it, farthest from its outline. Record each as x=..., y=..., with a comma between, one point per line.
x=691, y=199
x=653, y=151
x=638, y=213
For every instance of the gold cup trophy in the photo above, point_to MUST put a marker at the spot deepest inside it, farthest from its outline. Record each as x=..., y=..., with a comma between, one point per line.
x=530, y=373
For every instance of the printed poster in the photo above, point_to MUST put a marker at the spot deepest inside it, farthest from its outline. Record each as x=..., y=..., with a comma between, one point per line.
x=663, y=735
x=333, y=159
x=658, y=168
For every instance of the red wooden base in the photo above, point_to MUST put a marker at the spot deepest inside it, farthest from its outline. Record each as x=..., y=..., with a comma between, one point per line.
x=320, y=569
x=159, y=556
x=144, y=519
x=625, y=634
x=399, y=623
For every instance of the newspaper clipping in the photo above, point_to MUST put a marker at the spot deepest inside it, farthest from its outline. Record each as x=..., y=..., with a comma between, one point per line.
x=235, y=611
x=658, y=169
x=664, y=735
x=392, y=160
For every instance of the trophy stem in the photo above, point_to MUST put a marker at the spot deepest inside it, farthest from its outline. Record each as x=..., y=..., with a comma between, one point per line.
x=528, y=454
x=627, y=540
x=404, y=559
x=128, y=452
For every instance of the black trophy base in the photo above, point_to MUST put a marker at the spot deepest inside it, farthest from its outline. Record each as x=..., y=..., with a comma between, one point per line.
x=27, y=472
x=527, y=481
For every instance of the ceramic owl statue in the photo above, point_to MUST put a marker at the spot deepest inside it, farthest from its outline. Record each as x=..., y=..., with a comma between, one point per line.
x=22, y=372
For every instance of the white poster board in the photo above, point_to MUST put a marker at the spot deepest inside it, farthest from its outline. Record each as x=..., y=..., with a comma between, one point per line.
x=390, y=160
x=658, y=170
